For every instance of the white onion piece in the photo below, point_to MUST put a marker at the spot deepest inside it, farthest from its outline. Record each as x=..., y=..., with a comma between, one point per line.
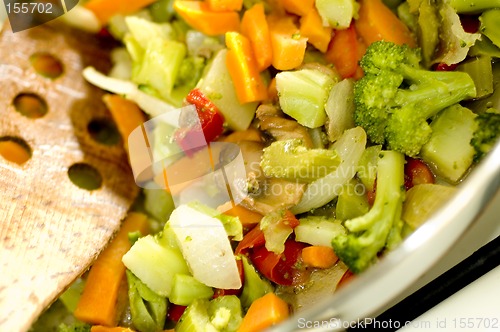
x=350, y=147
x=206, y=248
x=82, y=18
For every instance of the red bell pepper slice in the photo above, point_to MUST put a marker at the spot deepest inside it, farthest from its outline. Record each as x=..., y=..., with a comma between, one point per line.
x=211, y=122
x=254, y=238
x=417, y=172
x=281, y=269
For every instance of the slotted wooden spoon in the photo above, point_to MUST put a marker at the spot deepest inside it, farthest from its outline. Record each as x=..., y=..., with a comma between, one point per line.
x=51, y=229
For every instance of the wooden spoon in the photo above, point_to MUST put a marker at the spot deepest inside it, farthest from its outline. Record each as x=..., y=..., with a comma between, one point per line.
x=51, y=226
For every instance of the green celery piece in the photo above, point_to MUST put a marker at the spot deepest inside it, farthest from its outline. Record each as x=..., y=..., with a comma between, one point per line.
x=71, y=296
x=337, y=14
x=148, y=309
x=485, y=47
x=162, y=10
x=195, y=318
x=367, y=166
x=303, y=93
x=352, y=201
x=480, y=70
x=144, y=30
x=429, y=23
x=155, y=263
x=318, y=230
x=490, y=25
x=254, y=285
x=160, y=65
x=186, y=289
x=225, y=313
x=135, y=50
x=473, y=6
x=449, y=151
x=290, y=159
x=159, y=204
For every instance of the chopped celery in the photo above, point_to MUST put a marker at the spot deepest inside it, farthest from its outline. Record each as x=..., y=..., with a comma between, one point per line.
x=481, y=72
x=190, y=71
x=476, y=6
x=340, y=109
x=217, y=85
x=135, y=50
x=303, y=93
x=367, y=167
x=117, y=26
x=160, y=65
x=144, y=30
x=155, y=263
x=485, y=46
x=423, y=200
x=71, y=296
x=225, y=313
x=290, y=159
x=162, y=10
x=148, y=310
x=352, y=201
x=490, y=25
x=275, y=231
x=337, y=13
x=254, y=286
x=195, y=318
x=428, y=24
x=318, y=230
x=159, y=203
x=448, y=150
x=186, y=289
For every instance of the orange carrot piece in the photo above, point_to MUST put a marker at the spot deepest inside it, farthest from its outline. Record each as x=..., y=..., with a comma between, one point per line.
x=127, y=115
x=345, y=51
x=105, y=9
x=97, y=305
x=243, y=69
x=199, y=16
x=14, y=152
x=288, y=45
x=101, y=328
x=311, y=27
x=319, y=256
x=254, y=27
x=264, y=312
x=377, y=22
x=246, y=216
x=298, y=7
x=225, y=5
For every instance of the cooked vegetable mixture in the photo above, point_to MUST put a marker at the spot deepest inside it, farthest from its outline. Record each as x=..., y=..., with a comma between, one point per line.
x=353, y=121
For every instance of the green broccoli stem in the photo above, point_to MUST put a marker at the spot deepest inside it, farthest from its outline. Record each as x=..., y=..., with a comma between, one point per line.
x=473, y=6
x=432, y=91
x=381, y=226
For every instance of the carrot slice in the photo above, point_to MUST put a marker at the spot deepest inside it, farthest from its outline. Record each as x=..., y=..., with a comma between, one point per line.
x=246, y=216
x=298, y=7
x=127, y=115
x=101, y=328
x=377, y=22
x=345, y=51
x=288, y=45
x=319, y=256
x=254, y=27
x=225, y=5
x=243, y=69
x=105, y=9
x=311, y=27
x=199, y=16
x=264, y=312
x=97, y=305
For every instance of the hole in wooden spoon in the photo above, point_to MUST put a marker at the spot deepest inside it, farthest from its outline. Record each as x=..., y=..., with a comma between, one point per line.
x=103, y=131
x=85, y=176
x=15, y=149
x=30, y=105
x=47, y=65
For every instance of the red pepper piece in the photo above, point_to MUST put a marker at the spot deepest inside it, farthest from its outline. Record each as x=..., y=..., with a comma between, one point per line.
x=417, y=172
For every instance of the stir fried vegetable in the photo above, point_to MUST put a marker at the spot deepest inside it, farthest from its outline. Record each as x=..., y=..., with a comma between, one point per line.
x=324, y=132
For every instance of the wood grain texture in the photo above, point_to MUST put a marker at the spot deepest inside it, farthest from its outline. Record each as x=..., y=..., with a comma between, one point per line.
x=50, y=229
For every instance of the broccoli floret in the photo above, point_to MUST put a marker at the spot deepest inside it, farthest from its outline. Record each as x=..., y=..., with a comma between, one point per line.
x=397, y=96
x=75, y=327
x=486, y=134
x=381, y=227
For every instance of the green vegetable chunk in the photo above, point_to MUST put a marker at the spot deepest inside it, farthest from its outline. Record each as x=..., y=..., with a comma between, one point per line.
x=396, y=96
x=303, y=93
x=490, y=25
x=449, y=151
x=473, y=6
x=186, y=289
x=486, y=134
x=148, y=309
x=318, y=230
x=290, y=159
x=381, y=227
x=254, y=285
